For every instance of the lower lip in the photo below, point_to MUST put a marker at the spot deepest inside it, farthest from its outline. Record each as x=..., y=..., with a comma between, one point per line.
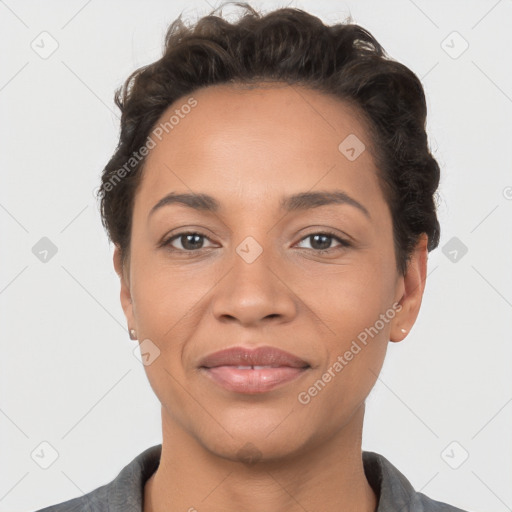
x=253, y=381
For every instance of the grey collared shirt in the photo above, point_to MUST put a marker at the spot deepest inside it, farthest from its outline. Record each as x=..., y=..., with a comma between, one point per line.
x=126, y=492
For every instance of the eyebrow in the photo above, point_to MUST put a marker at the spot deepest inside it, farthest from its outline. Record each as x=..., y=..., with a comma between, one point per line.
x=307, y=200
x=296, y=202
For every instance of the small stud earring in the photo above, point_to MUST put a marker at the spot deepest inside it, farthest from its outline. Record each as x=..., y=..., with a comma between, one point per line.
x=403, y=330
x=133, y=334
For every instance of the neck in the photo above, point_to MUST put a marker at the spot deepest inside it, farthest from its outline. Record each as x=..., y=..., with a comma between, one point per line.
x=328, y=476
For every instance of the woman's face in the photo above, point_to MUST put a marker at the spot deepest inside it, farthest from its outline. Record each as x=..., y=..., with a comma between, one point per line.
x=272, y=263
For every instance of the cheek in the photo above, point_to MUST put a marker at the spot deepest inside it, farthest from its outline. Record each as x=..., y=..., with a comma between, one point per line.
x=165, y=297
x=169, y=305
x=166, y=305
x=356, y=338
x=354, y=306
x=349, y=298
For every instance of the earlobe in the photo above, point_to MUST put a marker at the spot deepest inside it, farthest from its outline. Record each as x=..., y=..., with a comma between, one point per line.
x=413, y=288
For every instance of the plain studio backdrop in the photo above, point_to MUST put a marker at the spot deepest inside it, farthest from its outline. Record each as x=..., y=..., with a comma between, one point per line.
x=75, y=404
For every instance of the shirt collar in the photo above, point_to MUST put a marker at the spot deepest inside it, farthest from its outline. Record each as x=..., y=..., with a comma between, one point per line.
x=393, y=490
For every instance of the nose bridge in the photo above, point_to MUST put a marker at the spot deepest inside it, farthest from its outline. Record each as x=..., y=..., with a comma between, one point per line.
x=251, y=292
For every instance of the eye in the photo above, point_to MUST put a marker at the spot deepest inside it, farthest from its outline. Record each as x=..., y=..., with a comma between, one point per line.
x=195, y=241
x=321, y=242
x=186, y=241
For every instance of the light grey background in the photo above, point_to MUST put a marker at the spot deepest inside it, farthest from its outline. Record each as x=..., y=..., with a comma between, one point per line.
x=68, y=373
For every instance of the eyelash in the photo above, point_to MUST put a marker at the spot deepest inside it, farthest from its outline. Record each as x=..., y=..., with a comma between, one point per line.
x=343, y=243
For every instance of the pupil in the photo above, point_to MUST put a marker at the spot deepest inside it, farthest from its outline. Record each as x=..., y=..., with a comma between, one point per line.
x=326, y=241
x=191, y=244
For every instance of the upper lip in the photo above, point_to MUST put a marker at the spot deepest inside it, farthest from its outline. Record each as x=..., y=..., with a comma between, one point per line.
x=260, y=356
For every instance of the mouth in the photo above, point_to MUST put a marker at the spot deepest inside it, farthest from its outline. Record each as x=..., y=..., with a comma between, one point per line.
x=259, y=370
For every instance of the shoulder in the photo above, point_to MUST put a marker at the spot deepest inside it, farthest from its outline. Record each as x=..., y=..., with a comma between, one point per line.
x=395, y=492
x=124, y=493
x=423, y=503
x=94, y=501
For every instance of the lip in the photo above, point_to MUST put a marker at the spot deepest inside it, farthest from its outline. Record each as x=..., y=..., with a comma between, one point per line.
x=262, y=369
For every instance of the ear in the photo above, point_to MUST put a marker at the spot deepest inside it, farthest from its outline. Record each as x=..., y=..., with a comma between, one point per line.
x=125, y=294
x=412, y=285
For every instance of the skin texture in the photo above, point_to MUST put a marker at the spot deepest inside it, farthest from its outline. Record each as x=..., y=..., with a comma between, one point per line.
x=248, y=148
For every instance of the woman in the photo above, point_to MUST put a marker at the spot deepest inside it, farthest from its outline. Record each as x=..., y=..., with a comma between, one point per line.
x=271, y=202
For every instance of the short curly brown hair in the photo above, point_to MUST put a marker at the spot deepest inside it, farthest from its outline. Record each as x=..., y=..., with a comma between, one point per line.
x=292, y=46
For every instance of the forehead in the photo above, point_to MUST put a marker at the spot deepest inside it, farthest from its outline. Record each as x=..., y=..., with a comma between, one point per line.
x=249, y=144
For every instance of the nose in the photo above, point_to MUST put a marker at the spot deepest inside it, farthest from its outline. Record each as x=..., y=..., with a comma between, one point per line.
x=254, y=294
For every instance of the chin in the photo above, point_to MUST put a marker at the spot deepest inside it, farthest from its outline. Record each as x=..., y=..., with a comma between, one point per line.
x=256, y=438
x=255, y=449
